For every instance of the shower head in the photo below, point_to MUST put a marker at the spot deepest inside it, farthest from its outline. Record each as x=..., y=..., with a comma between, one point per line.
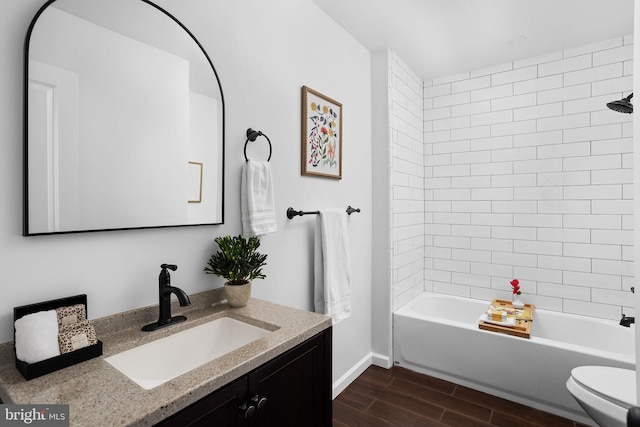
x=622, y=106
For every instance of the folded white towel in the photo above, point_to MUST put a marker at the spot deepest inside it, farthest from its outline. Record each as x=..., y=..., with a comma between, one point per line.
x=37, y=336
x=497, y=313
x=510, y=321
x=257, y=201
x=332, y=268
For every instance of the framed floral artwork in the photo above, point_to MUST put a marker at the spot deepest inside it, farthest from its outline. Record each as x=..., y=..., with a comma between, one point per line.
x=321, y=135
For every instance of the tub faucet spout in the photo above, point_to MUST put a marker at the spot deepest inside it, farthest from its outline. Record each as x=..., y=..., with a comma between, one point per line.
x=165, y=290
x=627, y=321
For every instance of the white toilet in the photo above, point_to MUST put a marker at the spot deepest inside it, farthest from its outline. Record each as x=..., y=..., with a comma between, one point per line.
x=605, y=393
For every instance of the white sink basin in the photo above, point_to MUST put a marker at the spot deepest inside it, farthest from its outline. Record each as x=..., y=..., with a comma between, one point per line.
x=157, y=362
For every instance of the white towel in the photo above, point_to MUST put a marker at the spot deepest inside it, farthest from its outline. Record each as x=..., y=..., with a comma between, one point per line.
x=256, y=194
x=510, y=321
x=332, y=268
x=37, y=336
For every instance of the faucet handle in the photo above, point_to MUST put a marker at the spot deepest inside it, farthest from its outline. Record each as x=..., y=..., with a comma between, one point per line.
x=171, y=267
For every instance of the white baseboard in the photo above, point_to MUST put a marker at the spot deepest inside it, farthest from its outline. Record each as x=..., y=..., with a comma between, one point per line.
x=381, y=360
x=353, y=373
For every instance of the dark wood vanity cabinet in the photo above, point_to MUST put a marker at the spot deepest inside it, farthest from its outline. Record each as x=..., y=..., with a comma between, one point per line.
x=293, y=389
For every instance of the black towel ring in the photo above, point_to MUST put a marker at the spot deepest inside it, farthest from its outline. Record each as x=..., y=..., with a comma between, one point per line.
x=252, y=135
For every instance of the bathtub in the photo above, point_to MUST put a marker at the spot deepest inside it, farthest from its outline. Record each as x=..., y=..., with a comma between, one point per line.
x=439, y=335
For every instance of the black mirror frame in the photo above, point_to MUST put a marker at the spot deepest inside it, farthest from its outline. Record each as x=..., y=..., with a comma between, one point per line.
x=25, y=130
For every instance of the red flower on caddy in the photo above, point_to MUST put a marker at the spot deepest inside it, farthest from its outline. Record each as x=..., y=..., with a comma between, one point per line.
x=515, y=284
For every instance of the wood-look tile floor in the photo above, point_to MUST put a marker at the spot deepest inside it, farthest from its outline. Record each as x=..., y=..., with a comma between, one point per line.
x=400, y=397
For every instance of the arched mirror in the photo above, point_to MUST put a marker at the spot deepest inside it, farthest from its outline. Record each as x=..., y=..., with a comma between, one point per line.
x=124, y=120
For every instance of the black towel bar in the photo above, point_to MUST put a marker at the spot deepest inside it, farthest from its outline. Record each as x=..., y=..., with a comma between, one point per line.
x=292, y=212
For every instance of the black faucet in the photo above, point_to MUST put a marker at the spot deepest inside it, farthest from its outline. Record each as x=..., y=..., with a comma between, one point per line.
x=627, y=321
x=165, y=290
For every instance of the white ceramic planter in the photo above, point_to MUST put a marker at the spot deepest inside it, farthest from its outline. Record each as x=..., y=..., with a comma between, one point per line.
x=237, y=295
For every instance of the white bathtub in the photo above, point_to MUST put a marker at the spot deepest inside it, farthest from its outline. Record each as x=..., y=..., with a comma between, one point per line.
x=439, y=335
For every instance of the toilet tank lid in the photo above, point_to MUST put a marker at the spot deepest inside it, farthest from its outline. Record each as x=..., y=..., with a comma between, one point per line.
x=614, y=384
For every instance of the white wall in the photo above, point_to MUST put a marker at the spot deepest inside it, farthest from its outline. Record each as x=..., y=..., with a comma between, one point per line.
x=381, y=333
x=636, y=174
x=201, y=109
x=264, y=52
x=530, y=176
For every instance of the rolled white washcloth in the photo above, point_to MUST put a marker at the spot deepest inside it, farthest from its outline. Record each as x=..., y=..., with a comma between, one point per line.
x=37, y=336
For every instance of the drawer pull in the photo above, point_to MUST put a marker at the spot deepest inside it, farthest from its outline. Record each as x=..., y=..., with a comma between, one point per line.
x=259, y=402
x=247, y=410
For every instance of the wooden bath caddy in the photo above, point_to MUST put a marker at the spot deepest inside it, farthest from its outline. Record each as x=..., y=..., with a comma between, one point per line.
x=523, y=323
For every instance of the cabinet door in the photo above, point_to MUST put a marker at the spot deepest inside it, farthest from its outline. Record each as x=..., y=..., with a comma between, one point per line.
x=220, y=408
x=296, y=386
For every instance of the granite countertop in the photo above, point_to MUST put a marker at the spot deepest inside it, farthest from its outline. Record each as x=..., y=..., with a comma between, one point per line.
x=99, y=394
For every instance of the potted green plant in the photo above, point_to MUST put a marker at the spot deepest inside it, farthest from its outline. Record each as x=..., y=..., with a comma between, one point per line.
x=238, y=261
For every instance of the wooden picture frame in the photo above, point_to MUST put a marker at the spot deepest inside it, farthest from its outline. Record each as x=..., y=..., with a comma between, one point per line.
x=194, y=182
x=321, y=135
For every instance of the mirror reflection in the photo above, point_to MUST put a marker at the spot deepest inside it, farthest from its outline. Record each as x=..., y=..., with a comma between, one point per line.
x=125, y=120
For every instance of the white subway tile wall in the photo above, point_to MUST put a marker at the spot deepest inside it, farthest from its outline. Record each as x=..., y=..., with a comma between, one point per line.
x=526, y=175
x=408, y=174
